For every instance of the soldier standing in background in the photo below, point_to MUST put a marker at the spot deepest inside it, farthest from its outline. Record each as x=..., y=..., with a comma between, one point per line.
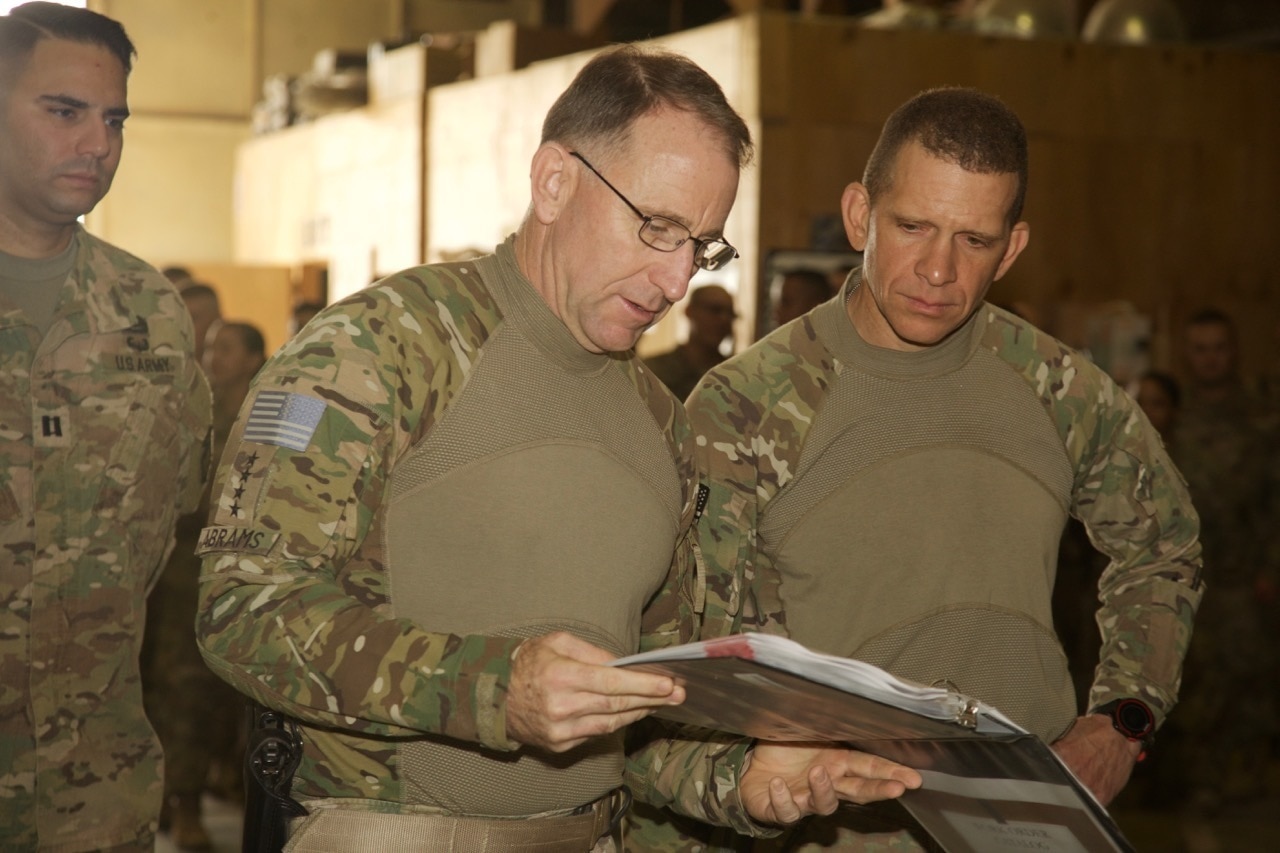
x=196, y=714
x=800, y=292
x=104, y=419
x=1221, y=737
x=302, y=314
x=711, y=315
x=206, y=313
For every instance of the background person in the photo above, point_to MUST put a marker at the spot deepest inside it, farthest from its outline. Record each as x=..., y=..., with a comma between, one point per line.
x=206, y=313
x=197, y=716
x=801, y=292
x=1160, y=397
x=1220, y=742
x=177, y=275
x=302, y=314
x=711, y=315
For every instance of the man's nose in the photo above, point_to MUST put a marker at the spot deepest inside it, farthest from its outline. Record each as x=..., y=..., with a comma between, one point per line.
x=938, y=264
x=673, y=271
x=95, y=140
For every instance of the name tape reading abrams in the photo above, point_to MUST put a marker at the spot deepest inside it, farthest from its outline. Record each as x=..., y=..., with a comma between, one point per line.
x=236, y=540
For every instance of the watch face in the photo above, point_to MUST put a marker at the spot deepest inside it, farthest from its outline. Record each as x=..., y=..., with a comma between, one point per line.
x=1134, y=719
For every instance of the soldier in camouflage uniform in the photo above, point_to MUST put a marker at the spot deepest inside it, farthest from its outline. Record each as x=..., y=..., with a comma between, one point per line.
x=711, y=315
x=104, y=416
x=456, y=495
x=890, y=473
x=1220, y=740
x=197, y=715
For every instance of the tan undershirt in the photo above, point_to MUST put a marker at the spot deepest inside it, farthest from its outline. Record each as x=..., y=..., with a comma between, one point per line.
x=545, y=498
x=921, y=531
x=34, y=286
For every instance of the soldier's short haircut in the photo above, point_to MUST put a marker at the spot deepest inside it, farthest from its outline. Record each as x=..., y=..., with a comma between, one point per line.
x=199, y=290
x=176, y=274
x=703, y=292
x=624, y=83
x=1212, y=317
x=27, y=24
x=814, y=283
x=251, y=337
x=1167, y=384
x=969, y=128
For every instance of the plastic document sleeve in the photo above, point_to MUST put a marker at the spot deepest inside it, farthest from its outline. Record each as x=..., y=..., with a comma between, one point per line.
x=989, y=785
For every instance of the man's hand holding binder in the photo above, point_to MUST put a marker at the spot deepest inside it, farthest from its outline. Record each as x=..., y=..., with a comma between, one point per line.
x=785, y=782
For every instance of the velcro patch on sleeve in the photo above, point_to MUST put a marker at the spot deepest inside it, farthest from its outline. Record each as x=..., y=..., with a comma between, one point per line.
x=242, y=485
x=284, y=419
x=236, y=540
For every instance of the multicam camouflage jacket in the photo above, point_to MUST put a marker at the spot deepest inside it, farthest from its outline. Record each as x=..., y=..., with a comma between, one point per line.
x=754, y=414
x=310, y=605
x=810, y=436
x=104, y=425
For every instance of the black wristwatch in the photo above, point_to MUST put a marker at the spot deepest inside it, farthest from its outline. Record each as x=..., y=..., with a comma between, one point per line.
x=1133, y=719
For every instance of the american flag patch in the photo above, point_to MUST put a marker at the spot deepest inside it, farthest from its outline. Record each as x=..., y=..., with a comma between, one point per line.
x=283, y=419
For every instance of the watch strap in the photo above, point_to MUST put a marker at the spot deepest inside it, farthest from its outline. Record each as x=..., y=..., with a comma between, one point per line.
x=1133, y=718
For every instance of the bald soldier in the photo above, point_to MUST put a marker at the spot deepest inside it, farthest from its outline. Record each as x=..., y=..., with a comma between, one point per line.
x=456, y=496
x=711, y=315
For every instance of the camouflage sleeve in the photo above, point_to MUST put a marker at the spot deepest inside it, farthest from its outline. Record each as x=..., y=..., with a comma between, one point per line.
x=195, y=434
x=1136, y=507
x=695, y=772
x=192, y=420
x=671, y=616
x=751, y=417
x=286, y=615
x=692, y=771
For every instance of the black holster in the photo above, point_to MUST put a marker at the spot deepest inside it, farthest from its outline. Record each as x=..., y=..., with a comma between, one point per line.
x=275, y=748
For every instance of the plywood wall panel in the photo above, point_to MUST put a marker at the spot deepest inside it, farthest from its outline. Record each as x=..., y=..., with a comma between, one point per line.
x=261, y=295
x=195, y=58
x=1154, y=171
x=170, y=197
x=369, y=175
x=345, y=189
x=293, y=31
x=275, y=210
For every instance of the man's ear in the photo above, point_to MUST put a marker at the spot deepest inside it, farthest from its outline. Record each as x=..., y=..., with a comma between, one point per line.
x=855, y=209
x=554, y=179
x=1018, y=239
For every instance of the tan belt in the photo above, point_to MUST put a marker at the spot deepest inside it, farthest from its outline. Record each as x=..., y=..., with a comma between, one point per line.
x=335, y=829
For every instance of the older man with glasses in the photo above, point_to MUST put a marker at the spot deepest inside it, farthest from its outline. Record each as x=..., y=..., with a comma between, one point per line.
x=457, y=496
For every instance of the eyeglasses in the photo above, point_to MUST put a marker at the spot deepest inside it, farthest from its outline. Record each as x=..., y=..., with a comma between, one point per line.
x=667, y=235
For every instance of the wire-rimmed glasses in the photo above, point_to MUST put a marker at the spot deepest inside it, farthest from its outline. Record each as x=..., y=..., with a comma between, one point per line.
x=667, y=235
